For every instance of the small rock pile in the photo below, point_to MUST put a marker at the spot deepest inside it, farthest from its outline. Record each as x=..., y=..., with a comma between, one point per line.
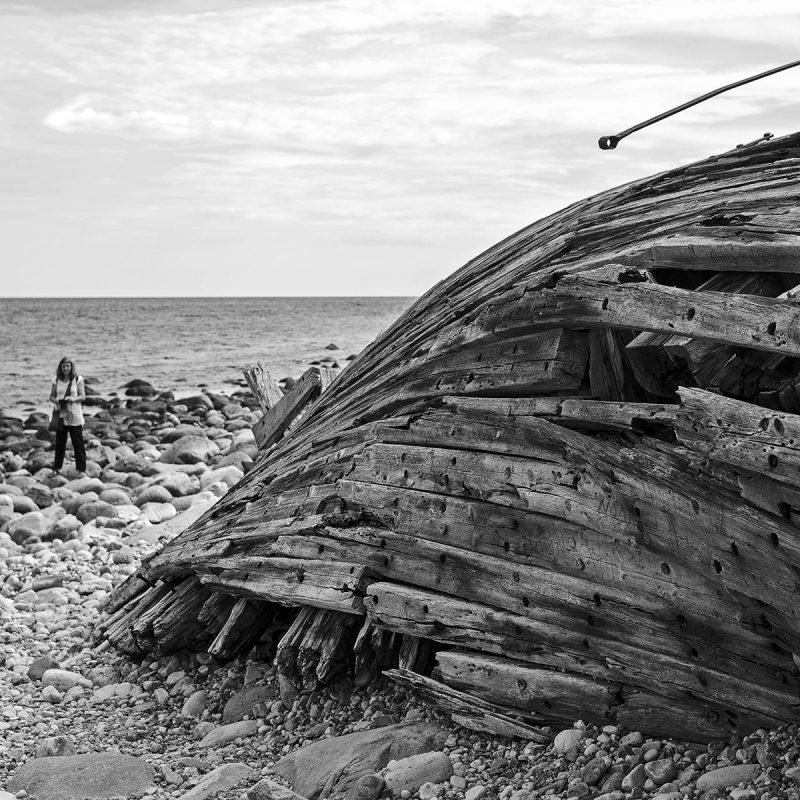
x=78, y=720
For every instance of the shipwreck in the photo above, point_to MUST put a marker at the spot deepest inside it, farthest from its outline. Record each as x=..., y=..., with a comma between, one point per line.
x=564, y=484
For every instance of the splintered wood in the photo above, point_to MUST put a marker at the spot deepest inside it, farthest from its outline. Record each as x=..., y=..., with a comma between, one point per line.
x=563, y=485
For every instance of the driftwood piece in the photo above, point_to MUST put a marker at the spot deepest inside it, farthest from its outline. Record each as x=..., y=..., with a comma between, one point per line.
x=571, y=464
x=263, y=386
x=467, y=710
x=278, y=417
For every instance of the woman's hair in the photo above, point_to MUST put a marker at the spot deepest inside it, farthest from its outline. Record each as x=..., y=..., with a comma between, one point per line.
x=72, y=372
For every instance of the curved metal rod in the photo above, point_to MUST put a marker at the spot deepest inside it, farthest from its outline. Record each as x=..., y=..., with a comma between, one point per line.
x=610, y=142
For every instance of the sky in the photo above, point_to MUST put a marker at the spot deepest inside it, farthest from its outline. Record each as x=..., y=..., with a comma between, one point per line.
x=345, y=147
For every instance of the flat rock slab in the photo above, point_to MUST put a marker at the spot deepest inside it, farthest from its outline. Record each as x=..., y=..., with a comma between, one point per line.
x=225, y=734
x=241, y=704
x=332, y=766
x=268, y=789
x=727, y=776
x=218, y=780
x=84, y=777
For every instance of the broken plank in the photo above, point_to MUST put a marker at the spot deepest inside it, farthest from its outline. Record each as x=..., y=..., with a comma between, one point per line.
x=583, y=647
x=302, y=581
x=263, y=386
x=242, y=629
x=467, y=710
x=545, y=693
x=619, y=297
x=277, y=419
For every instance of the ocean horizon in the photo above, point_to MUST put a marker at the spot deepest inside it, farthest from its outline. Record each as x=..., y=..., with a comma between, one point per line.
x=178, y=343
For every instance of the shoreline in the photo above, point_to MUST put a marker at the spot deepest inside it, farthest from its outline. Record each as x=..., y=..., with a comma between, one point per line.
x=154, y=464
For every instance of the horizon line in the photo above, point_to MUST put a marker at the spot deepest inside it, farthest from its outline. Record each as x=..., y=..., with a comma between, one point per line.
x=217, y=297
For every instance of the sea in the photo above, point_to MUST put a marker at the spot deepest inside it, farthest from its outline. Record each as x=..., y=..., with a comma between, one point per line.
x=177, y=344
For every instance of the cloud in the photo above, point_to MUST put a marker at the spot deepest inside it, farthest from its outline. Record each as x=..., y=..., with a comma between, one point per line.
x=412, y=120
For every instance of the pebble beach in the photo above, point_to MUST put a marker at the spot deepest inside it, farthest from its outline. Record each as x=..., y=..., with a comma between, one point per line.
x=78, y=719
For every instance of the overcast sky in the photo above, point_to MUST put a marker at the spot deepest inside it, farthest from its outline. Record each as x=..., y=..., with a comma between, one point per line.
x=345, y=147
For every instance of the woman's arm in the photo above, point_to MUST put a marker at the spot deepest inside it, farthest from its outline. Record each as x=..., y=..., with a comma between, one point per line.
x=79, y=387
x=53, y=397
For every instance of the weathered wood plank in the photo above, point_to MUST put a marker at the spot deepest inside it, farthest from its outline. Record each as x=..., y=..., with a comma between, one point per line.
x=263, y=386
x=538, y=638
x=546, y=693
x=620, y=297
x=277, y=419
x=247, y=620
x=304, y=581
x=467, y=710
x=314, y=647
x=706, y=249
x=541, y=362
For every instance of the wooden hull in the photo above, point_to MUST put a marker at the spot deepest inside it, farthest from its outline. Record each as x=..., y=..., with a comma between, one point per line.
x=569, y=471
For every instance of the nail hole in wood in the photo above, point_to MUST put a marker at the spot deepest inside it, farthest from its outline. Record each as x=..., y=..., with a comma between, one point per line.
x=778, y=425
x=375, y=599
x=385, y=562
x=775, y=540
x=771, y=328
x=734, y=549
x=605, y=303
x=772, y=460
x=515, y=576
x=763, y=423
x=665, y=568
x=694, y=653
x=442, y=557
x=506, y=546
x=596, y=599
x=690, y=313
x=717, y=566
x=320, y=548
x=526, y=602
x=590, y=619
x=424, y=609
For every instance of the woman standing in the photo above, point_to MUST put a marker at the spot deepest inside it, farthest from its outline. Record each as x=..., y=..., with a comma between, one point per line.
x=67, y=392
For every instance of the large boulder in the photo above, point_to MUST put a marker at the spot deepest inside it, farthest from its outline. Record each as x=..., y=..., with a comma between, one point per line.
x=84, y=777
x=34, y=523
x=241, y=704
x=170, y=435
x=41, y=495
x=190, y=450
x=153, y=494
x=332, y=766
x=139, y=388
x=229, y=475
x=178, y=484
x=89, y=511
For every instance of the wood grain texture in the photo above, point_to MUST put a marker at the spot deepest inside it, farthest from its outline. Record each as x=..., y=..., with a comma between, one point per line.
x=569, y=471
